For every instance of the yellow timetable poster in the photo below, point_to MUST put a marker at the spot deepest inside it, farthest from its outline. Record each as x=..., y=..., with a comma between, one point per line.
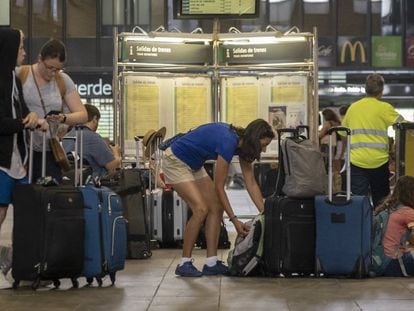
x=242, y=100
x=192, y=103
x=142, y=106
x=289, y=93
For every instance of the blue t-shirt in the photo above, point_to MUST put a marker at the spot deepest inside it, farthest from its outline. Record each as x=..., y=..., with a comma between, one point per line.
x=95, y=150
x=204, y=143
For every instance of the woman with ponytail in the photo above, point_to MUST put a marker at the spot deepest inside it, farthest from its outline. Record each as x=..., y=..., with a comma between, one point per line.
x=182, y=166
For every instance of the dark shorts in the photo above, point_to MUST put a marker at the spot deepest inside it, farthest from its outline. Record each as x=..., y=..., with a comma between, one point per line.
x=7, y=184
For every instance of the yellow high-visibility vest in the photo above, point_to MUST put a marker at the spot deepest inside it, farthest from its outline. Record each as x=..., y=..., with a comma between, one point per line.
x=369, y=119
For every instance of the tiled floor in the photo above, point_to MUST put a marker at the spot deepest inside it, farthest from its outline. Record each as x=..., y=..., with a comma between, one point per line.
x=151, y=285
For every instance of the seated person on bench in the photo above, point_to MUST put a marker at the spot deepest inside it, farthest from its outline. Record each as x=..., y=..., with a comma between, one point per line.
x=102, y=157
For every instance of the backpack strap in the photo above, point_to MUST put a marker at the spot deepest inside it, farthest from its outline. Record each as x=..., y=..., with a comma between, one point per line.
x=24, y=72
x=402, y=242
x=61, y=84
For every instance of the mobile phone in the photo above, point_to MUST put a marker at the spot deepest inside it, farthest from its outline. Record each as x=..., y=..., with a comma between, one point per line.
x=53, y=112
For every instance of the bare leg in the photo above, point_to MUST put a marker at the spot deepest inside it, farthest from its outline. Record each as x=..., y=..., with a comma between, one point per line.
x=214, y=216
x=3, y=214
x=192, y=195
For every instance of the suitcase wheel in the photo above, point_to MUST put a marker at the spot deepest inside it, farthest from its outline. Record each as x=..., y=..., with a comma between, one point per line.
x=75, y=283
x=318, y=268
x=16, y=284
x=36, y=284
x=99, y=280
x=147, y=254
x=56, y=284
x=89, y=281
x=112, y=276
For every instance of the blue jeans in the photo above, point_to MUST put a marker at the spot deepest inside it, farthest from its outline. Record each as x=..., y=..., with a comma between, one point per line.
x=7, y=185
x=375, y=181
x=394, y=269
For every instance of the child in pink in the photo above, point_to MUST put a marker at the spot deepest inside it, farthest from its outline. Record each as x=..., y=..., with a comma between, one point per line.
x=400, y=220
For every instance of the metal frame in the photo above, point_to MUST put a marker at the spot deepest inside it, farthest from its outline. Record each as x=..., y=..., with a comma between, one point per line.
x=217, y=70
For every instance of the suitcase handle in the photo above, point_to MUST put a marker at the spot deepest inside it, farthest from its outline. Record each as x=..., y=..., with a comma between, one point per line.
x=79, y=170
x=331, y=131
x=30, y=177
x=286, y=130
x=335, y=129
x=305, y=128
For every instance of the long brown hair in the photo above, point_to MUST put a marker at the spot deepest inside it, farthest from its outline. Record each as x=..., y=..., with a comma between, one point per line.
x=251, y=148
x=403, y=194
x=330, y=115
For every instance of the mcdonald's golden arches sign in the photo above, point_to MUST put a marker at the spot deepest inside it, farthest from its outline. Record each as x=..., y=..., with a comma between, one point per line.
x=352, y=51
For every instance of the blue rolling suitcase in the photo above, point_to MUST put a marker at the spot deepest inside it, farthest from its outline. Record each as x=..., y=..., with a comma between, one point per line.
x=105, y=227
x=343, y=228
x=105, y=233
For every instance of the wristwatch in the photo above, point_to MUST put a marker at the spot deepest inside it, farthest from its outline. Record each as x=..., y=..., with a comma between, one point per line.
x=64, y=118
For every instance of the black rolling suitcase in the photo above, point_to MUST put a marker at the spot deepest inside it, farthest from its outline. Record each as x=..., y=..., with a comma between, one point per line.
x=48, y=232
x=289, y=241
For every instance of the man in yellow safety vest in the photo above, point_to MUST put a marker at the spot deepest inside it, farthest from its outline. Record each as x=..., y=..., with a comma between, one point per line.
x=369, y=119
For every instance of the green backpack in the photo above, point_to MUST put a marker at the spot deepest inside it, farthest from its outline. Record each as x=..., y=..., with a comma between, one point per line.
x=380, y=261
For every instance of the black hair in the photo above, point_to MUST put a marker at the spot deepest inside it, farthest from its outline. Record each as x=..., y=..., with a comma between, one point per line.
x=250, y=147
x=374, y=85
x=92, y=112
x=53, y=48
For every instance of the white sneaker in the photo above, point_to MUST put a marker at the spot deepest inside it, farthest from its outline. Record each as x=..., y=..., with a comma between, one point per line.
x=4, y=283
x=6, y=257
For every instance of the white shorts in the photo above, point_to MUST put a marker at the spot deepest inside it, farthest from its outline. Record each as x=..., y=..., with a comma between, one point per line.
x=176, y=171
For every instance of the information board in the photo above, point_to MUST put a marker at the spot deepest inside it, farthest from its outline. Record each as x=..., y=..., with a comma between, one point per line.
x=198, y=9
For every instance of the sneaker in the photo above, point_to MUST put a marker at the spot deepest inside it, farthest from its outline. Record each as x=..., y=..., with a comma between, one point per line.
x=218, y=268
x=4, y=283
x=187, y=270
x=5, y=259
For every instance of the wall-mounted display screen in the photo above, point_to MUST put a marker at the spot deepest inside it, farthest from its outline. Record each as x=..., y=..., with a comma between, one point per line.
x=200, y=9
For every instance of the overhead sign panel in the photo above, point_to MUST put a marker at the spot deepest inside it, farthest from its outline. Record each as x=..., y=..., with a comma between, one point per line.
x=199, y=9
x=289, y=52
x=166, y=53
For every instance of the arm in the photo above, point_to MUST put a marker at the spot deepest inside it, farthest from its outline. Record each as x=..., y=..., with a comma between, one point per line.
x=78, y=112
x=116, y=162
x=220, y=177
x=251, y=185
x=411, y=236
x=77, y=115
x=324, y=130
x=9, y=126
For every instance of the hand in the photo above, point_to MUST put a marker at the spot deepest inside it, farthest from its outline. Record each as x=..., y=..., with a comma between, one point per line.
x=241, y=228
x=58, y=118
x=31, y=120
x=42, y=124
x=116, y=150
